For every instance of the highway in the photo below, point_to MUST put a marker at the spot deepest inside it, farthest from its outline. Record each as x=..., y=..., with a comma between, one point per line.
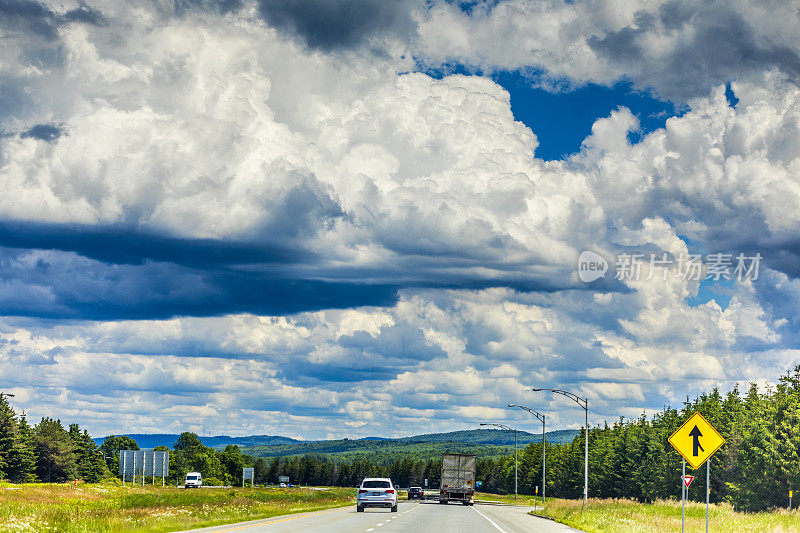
x=411, y=516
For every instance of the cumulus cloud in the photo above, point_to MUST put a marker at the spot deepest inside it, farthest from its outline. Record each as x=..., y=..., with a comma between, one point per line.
x=374, y=183
x=220, y=201
x=678, y=49
x=435, y=360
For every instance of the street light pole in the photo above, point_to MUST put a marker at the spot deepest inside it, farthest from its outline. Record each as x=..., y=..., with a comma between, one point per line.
x=507, y=428
x=542, y=419
x=584, y=403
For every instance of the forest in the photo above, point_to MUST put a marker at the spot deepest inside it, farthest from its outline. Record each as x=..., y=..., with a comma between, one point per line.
x=632, y=459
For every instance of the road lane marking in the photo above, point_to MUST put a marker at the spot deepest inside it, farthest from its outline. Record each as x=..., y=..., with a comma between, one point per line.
x=500, y=529
x=279, y=521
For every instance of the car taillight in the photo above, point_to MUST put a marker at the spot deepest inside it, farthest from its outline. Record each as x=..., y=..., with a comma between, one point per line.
x=362, y=491
x=390, y=491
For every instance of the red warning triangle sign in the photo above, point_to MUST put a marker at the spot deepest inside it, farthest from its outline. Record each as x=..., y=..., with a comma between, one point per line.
x=687, y=480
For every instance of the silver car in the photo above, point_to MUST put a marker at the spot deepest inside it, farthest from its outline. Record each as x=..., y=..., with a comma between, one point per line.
x=376, y=492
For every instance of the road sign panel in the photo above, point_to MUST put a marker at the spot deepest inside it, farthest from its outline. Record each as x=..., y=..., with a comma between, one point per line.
x=696, y=440
x=687, y=480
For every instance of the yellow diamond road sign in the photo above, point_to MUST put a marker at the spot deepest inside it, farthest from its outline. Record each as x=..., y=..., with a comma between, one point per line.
x=696, y=440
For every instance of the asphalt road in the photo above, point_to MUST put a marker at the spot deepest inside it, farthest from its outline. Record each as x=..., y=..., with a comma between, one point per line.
x=411, y=516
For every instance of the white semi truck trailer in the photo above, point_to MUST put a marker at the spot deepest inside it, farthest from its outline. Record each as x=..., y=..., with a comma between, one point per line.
x=458, y=479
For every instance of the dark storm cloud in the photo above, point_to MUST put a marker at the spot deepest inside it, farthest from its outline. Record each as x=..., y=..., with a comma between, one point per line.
x=35, y=17
x=44, y=132
x=29, y=17
x=64, y=285
x=123, y=245
x=723, y=46
x=99, y=272
x=339, y=24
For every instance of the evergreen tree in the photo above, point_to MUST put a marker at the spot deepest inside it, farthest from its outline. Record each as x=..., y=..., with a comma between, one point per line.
x=260, y=472
x=22, y=458
x=55, y=452
x=91, y=466
x=8, y=435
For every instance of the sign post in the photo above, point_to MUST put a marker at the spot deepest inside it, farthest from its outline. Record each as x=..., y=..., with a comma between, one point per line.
x=683, y=498
x=696, y=440
x=248, y=473
x=790, y=500
x=708, y=488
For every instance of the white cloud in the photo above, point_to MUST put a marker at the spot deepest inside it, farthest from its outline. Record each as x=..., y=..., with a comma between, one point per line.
x=679, y=49
x=216, y=126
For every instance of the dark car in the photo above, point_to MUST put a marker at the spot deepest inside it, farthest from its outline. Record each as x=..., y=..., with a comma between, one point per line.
x=416, y=493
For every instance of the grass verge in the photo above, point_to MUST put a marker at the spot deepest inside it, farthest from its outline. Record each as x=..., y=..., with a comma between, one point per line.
x=508, y=498
x=626, y=516
x=106, y=507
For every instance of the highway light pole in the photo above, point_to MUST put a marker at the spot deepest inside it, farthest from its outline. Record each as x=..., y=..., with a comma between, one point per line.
x=541, y=418
x=507, y=428
x=583, y=402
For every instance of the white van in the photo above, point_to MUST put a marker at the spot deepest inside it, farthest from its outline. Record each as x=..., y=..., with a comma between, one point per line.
x=194, y=480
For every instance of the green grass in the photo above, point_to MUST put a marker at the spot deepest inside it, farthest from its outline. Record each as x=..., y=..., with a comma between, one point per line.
x=522, y=499
x=618, y=516
x=108, y=507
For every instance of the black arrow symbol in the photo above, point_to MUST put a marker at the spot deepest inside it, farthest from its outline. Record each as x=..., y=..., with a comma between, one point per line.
x=695, y=433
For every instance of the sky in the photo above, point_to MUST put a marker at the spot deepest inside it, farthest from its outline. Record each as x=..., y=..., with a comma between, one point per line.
x=350, y=218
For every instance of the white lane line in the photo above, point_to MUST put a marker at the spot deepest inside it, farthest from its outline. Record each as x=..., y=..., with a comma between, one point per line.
x=500, y=529
x=371, y=529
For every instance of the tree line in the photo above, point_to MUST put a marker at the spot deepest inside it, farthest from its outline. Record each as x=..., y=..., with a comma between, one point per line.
x=46, y=452
x=754, y=470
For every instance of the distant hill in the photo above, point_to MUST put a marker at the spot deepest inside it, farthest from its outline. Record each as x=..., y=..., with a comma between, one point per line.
x=151, y=440
x=492, y=436
x=482, y=442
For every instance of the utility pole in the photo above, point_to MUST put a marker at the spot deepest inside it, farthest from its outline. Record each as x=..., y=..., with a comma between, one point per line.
x=584, y=403
x=507, y=428
x=542, y=419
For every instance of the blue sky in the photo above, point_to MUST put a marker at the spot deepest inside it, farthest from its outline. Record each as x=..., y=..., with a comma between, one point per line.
x=562, y=120
x=364, y=218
